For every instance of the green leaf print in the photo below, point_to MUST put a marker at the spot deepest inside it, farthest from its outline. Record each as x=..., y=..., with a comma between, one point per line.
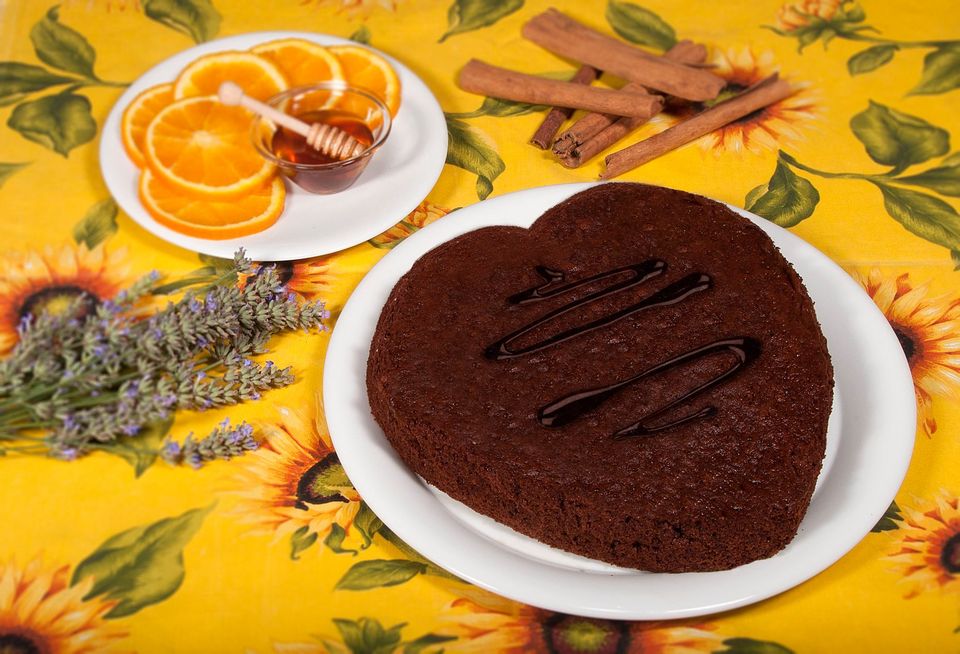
x=141, y=450
x=955, y=258
x=787, y=199
x=362, y=35
x=897, y=139
x=474, y=151
x=468, y=15
x=425, y=641
x=379, y=573
x=17, y=80
x=871, y=59
x=367, y=524
x=500, y=109
x=367, y=635
x=60, y=122
x=889, y=520
x=941, y=71
x=924, y=215
x=99, y=224
x=62, y=47
x=7, y=170
x=640, y=25
x=944, y=179
x=141, y=566
x=301, y=540
x=198, y=19
x=334, y=540
x=751, y=646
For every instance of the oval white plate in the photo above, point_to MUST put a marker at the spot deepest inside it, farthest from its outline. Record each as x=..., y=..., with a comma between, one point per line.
x=399, y=177
x=869, y=445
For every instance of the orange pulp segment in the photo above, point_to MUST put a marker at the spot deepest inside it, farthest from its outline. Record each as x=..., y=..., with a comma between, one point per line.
x=137, y=116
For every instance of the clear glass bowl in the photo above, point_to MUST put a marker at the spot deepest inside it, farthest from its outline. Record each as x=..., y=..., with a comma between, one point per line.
x=354, y=109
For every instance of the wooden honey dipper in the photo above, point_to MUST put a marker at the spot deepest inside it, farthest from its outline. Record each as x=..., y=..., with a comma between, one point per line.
x=327, y=139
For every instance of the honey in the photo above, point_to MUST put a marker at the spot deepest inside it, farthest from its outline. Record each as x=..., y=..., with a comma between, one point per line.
x=292, y=147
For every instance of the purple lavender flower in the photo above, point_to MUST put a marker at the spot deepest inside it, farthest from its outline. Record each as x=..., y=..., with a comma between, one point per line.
x=131, y=429
x=67, y=453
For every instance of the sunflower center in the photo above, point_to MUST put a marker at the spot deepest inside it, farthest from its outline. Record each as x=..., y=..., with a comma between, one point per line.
x=950, y=556
x=907, y=342
x=55, y=300
x=566, y=634
x=322, y=483
x=284, y=271
x=19, y=644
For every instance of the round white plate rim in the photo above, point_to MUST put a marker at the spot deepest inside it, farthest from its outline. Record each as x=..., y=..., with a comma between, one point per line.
x=873, y=452
x=425, y=170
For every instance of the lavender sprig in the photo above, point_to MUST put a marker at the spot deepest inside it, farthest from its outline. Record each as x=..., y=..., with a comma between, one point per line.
x=75, y=382
x=224, y=442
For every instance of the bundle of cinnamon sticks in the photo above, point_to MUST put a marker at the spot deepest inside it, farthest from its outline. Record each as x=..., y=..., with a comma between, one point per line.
x=650, y=80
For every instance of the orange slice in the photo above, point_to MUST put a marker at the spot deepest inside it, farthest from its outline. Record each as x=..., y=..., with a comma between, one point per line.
x=212, y=219
x=138, y=114
x=257, y=76
x=301, y=62
x=204, y=149
x=368, y=70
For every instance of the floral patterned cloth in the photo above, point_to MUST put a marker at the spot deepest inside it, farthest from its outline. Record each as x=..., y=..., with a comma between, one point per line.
x=275, y=551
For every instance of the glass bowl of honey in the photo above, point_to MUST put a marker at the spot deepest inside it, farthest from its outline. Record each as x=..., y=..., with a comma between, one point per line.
x=356, y=112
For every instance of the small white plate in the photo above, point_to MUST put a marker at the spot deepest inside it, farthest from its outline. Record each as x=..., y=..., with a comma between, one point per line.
x=396, y=181
x=869, y=445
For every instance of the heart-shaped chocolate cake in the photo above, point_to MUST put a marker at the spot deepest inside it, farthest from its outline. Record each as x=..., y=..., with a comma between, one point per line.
x=638, y=378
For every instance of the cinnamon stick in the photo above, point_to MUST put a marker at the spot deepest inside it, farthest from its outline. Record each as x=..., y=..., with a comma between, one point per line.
x=558, y=115
x=564, y=36
x=482, y=78
x=767, y=91
x=685, y=52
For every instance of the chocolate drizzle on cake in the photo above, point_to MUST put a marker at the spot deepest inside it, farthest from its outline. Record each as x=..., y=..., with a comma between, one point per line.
x=571, y=407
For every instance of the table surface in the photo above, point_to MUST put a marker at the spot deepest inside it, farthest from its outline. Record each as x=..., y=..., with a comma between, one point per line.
x=222, y=560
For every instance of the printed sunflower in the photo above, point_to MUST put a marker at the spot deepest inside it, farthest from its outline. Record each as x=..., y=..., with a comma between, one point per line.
x=41, y=612
x=294, y=484
x=484, y=622
x=51, y=279
x=927, y=546
x=929, y=333
x=426, y=213
x=766, y=129
x=796, y=15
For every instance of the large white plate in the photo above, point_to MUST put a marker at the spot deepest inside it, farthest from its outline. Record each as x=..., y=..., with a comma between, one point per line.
x=869, y=444
x=396, y=180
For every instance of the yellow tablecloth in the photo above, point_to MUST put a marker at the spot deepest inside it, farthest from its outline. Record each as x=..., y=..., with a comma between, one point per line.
x=229, y=559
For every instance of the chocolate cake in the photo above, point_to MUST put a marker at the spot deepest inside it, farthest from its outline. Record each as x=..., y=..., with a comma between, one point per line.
x=638, y=378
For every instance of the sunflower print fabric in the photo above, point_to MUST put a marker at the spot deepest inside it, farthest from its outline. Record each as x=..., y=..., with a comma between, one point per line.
x=276, y=551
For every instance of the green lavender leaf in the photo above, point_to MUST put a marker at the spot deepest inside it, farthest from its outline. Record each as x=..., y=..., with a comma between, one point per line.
x=425, y=641
x=897, y=139
x=301, y=540
x=61, y=46
x=198, y=19
x=379, y=573
x=97, y=225
x=941, y=71
x=60, y=122
x=640, y=25
x=468, y=15
x=475, y=152
x=871, y=59
x=924, y=215
x=17, y=80
x=7, y=170
x=367, y=524
x=889, y=520
x=361, y=35
x=787, y=199
x=141, y=566
x=751, y=646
